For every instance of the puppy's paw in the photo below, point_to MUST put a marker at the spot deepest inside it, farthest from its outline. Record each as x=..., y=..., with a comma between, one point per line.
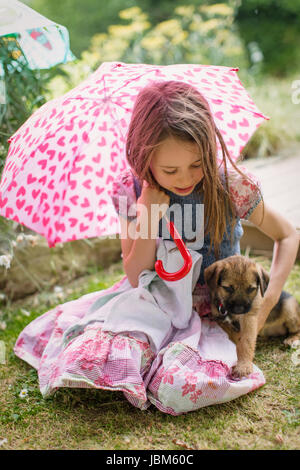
x=242, y=370
x=292, y=342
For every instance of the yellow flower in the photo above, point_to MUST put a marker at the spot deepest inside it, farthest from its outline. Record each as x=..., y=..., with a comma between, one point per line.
x=98, y=40
x=179, y=38
x=128, y=31
x=217, y=9
x=196, y=24
x=169, y=27
x=130, y=13
x=121, y=31
x=151, y=43
x=113, y=49
x=139, y=27
x=185, y=10
x=209, y=25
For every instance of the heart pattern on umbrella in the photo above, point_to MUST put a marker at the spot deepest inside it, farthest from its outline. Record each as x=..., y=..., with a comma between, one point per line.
x=62, y=161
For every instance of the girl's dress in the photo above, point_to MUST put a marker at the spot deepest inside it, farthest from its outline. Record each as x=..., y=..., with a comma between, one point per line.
x=191, y=368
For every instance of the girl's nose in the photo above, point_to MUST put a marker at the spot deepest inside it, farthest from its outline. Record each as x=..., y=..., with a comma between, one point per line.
x=185, y=181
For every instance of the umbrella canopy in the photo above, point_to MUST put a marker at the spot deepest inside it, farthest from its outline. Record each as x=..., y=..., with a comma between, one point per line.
x=43, y=42
x=62, y=161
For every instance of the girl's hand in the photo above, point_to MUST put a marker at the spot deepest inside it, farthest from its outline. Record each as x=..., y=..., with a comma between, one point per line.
x=151, y=195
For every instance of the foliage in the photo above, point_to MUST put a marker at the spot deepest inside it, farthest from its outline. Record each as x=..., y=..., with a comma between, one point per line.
x=274, y=26
x=261, y=24
x=83, y=19
x=23, y=90
x=206, y=35
x=94, y=16
x=193, y=35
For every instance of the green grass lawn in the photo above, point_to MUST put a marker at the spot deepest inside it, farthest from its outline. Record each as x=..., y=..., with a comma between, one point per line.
x=267, y=418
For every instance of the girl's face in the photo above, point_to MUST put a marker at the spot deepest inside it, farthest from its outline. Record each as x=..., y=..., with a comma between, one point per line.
x=176, y=165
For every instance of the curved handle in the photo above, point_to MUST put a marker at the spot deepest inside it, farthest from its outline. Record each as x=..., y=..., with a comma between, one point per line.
x=188, y=262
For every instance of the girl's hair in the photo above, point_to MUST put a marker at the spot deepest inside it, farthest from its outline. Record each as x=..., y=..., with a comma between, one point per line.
x=176, y=109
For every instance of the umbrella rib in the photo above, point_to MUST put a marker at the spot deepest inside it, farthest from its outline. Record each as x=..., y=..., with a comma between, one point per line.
x=153, y=68
x=110, y=96
x=132, y=79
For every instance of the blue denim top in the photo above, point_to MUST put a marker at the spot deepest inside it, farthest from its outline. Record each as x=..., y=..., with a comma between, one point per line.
x=225, y=248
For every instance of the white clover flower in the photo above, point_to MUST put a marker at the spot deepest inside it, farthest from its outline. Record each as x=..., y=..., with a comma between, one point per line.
x=57, y=289
x=3, y=325
x=25, y=312
x=23, y=393
x=296, y=357
x=3, y=441
x=32, y=239
x=20, y=238
x=257, y=56
x=5, y=261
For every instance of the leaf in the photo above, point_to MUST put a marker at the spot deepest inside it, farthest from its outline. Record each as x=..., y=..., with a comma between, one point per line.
x=182, y=444
x=279, y=438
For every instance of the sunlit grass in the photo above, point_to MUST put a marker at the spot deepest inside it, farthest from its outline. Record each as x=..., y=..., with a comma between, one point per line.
x=94, y=419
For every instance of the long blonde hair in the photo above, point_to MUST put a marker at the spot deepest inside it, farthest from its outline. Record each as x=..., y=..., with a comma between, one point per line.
x=164, y=109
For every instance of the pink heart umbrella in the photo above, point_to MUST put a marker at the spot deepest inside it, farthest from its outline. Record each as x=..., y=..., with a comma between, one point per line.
x=62, y=161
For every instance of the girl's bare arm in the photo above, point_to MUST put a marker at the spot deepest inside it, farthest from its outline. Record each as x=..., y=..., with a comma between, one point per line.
x=139, y=253
x=286, y=243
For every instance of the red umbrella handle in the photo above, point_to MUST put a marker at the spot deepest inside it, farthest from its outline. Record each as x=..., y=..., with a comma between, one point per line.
x=188, y=262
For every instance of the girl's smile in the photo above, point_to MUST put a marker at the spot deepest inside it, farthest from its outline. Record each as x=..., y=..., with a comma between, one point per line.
x=184, y=190
x=176, y=165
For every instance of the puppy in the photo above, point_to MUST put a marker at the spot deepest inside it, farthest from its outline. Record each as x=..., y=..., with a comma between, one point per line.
x=237, y=286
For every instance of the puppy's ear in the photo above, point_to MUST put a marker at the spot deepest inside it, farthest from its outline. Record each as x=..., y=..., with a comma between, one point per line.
x=262, y=279
x=212, y=274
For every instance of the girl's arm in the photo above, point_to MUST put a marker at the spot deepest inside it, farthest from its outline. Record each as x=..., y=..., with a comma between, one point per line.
x=139, y=238
x=286, y=242
x=138, y=254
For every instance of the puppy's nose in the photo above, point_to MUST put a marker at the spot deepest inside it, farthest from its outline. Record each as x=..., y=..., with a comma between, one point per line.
x=240, y=308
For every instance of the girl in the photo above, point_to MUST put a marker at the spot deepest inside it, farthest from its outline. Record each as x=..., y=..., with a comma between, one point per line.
x=172, y=151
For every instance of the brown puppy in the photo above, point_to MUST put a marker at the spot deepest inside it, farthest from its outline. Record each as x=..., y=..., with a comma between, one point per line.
x=237, y=286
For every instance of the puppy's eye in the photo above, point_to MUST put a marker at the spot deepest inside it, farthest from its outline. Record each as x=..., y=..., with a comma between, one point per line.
x=250, y=290
x=228, y=289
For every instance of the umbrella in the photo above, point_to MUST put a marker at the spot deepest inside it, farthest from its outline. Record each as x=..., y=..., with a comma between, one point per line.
x=34, y=41
x=43, y=42
x=187, y=257
x=62, y=161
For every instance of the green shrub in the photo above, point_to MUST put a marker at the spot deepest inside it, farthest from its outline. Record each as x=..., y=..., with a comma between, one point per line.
x=23, y=90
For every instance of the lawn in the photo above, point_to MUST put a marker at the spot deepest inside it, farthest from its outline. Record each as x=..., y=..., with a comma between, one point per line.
x=267, y=418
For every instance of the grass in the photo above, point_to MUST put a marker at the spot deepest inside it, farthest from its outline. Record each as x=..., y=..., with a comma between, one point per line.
x=275, y=98
x=267, y=418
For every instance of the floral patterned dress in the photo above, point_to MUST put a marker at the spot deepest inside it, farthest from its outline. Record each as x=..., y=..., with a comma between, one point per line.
x=192, y=368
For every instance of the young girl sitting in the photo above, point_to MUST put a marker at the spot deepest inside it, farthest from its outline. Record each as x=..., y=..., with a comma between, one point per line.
x=171, y=148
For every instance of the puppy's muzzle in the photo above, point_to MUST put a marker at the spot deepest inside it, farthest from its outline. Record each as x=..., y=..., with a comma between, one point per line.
x=238, y=309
